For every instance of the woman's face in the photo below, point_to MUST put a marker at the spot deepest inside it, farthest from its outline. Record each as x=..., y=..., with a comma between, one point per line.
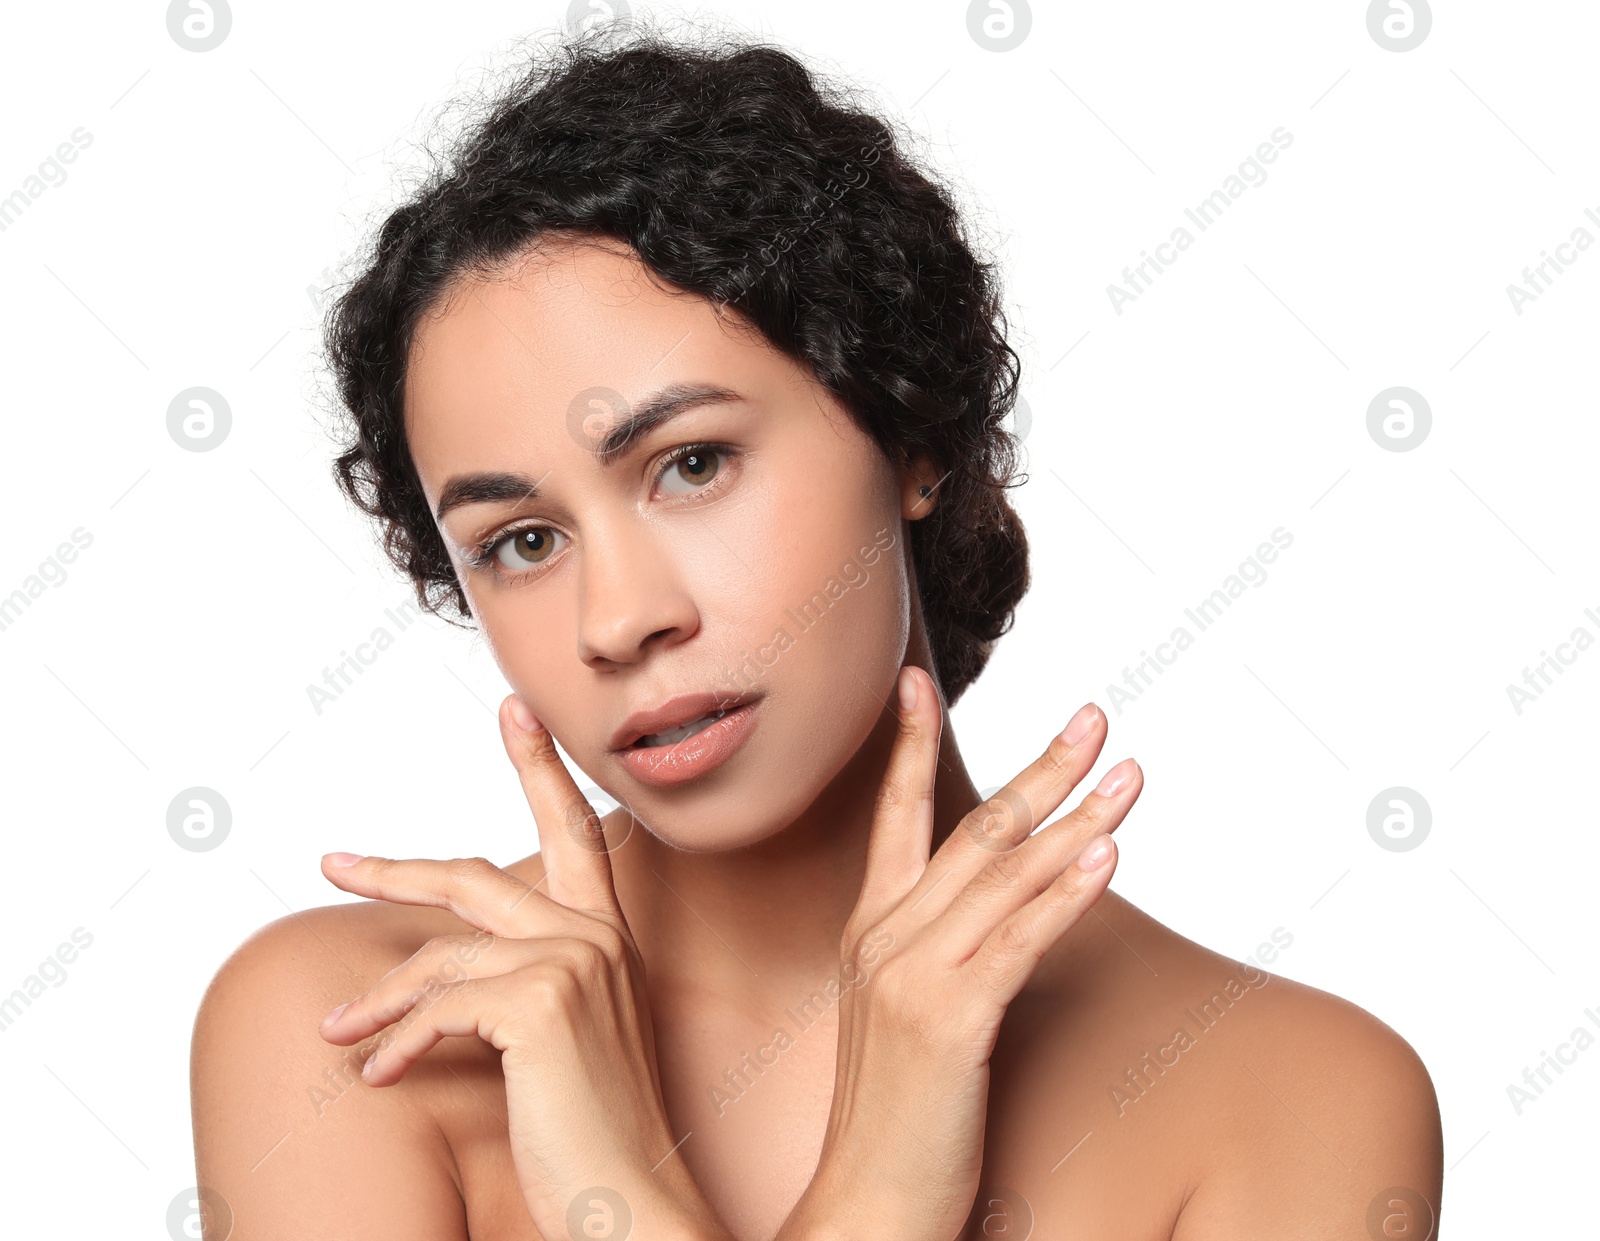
x=769, y=566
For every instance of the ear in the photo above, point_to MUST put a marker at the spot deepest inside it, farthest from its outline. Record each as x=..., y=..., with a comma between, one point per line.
x=919, y=487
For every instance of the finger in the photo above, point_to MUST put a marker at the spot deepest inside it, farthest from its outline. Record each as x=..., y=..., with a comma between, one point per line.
x=474, y=889
x=1007, y=818
x=443, y=960
x=1013, y=879
x=577, y=865
x=1007, y=959
x=474, y=1007
x=902, y=821
x=497, y=1010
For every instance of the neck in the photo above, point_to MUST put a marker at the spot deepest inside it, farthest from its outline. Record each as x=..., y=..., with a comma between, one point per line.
x=766, y=921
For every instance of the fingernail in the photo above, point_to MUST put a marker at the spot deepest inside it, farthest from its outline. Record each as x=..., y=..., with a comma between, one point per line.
x=522, y=717
x=1079, y=725
x=341, y=859
x=1115, y=778
x=908, y=689
x=1095, y=853
x=367, y=1067
x=334, y=1015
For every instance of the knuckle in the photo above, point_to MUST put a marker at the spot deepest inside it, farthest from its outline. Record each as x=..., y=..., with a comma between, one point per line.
x=449, y=958
x=995, y=967
x=1002, y=820
x=441, y=947
x=430, y=992
x=898, y=794
x=862, y=947
x=466, y=870
x=1069, y=892
x=1012, y=939
x=548, y=989
x=588, y=963
x=909, y=728
x=863, y=958
x=1006, y=870
x=1058, y=755
x=612, y=944
x=1092, y=813
x=896, y=984
x=863, y=954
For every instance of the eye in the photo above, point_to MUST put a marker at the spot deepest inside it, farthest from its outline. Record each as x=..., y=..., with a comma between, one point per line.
x=694, y=466
x=516, y=553
x=519, y=550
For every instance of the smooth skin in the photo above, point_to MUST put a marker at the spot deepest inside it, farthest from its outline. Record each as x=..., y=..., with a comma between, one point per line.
x=934, y=951
x=631, y=1041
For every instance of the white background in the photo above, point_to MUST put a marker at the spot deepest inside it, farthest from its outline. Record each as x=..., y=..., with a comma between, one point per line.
x=188, y=243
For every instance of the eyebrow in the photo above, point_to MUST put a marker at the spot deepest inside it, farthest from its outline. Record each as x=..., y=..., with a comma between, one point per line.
x=661, y=406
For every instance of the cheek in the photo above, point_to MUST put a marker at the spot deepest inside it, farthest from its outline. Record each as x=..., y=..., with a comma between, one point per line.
x=799, y=551
x=834, y=632
x=842, y=624
x=535, y=647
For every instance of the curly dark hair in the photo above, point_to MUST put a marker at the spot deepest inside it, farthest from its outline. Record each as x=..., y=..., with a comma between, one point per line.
x=733, y=172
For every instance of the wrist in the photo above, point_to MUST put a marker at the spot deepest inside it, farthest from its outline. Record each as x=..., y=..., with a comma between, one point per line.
x=854, y=1199
x=807, y=1223
x=826, y=1213
x=664, y=1206
x=682, y=1214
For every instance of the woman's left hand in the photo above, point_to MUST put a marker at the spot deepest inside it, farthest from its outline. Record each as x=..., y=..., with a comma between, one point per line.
x=556, y=983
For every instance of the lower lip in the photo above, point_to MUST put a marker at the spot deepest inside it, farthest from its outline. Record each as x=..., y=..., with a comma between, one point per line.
x=666, y=765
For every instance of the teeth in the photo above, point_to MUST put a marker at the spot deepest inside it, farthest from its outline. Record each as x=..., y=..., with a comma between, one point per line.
x=674, y=735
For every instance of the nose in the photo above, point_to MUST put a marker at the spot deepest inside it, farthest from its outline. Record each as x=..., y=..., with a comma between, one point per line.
x=632, y=597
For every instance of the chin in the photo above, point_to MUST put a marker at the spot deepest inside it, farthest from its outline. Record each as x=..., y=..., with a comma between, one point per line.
x=697, y=836
x=789, y=765
x=739, y=805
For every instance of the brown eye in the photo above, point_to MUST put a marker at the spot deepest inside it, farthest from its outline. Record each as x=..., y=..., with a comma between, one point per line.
x=524, y=549
x=694, y=468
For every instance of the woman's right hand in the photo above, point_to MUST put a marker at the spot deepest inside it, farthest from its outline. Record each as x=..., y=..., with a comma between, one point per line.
x=931, y=956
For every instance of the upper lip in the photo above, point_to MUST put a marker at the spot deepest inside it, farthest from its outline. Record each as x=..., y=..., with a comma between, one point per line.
x=675, y=712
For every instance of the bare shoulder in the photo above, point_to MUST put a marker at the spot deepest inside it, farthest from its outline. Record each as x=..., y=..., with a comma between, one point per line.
x=1265, y=1106
x=287, y=1135
x=1333, y=1105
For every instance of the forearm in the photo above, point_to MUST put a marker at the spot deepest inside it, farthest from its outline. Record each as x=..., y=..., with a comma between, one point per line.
x=809, y=1224
x=831, y=1210
x=669, y=1207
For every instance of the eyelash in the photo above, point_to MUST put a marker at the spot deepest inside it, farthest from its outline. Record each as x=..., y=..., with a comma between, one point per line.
x=484, y=555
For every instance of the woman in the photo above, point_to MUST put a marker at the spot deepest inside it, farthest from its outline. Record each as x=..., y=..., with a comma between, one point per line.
x=682, y=382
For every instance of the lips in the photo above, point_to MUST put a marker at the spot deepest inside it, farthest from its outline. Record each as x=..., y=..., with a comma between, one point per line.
x=671, y=736
x=674, y=764
x=675, y=713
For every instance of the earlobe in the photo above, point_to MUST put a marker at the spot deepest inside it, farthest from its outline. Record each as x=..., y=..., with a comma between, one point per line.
x=918, y=492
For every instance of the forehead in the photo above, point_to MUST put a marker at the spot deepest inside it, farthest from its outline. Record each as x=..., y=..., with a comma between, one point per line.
x=505, y=354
